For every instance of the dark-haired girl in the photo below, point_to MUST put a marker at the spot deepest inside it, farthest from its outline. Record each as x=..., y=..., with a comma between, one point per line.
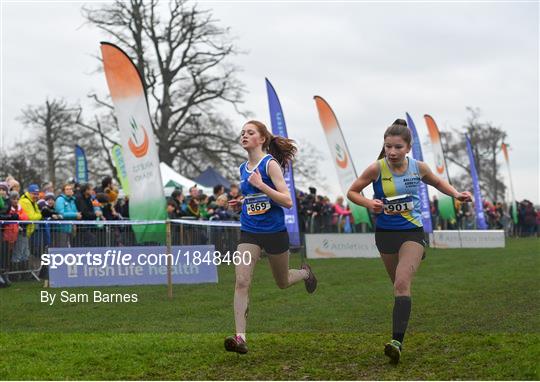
x=262, y=221
x=399, y=234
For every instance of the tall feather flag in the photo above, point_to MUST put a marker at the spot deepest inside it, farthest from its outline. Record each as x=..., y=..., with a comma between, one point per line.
x=341, y=156
x=279, y=128
x=513, y=201
x=423, y=191
x=147, y=201
x=478, y=204
x=446, y=203
x=81, y=165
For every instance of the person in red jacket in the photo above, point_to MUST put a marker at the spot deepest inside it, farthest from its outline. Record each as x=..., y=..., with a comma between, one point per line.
x=12, y=230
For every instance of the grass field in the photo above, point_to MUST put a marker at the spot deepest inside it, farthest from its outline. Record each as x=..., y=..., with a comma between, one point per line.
x=476, y=315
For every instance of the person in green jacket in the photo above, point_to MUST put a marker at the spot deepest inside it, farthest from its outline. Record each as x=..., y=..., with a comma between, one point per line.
x=203, y=207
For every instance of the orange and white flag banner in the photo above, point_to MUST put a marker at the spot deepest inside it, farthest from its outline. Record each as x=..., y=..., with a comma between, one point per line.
x=147, y=200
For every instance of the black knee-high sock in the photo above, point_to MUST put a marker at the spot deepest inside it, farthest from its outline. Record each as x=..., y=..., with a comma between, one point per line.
x=400, y=316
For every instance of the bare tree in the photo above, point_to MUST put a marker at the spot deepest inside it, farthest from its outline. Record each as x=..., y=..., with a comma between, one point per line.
x=52, y=124
x=181, y=53
x=21, y=162
x=486, y=140
x=306, y=166
x=100, y=135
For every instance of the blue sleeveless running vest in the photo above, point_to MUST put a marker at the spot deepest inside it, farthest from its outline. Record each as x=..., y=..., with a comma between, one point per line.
x=399, y=193
x=260, y=214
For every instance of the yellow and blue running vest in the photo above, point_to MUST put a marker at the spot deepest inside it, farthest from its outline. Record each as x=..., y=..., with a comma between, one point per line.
x=399, y=194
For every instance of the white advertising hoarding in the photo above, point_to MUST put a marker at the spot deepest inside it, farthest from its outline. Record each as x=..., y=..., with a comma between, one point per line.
x=334, y=245
x=467, y=239
x=362, y=245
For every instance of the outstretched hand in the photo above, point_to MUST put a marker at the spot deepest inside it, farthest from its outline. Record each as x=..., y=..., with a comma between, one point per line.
x=465, y=196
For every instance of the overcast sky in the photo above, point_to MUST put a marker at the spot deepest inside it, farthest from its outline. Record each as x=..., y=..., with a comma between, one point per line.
x=372, y=62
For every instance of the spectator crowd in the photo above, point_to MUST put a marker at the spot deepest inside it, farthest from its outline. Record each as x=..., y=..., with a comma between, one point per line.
x=316, y=213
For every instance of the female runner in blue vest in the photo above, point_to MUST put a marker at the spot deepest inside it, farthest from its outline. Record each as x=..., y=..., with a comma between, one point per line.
x=262, y=220
x=399, y=234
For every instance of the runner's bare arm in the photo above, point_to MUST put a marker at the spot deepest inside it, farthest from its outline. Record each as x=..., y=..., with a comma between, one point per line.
x=369, y=175
x=440, y=184
x=281, y=194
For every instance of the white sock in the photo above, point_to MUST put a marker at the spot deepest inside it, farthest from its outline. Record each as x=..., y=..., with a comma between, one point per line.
x=242, y=335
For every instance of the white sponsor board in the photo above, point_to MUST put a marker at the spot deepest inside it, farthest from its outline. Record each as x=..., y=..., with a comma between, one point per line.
x=336, y=245
x=467, y=239
x=327, y=246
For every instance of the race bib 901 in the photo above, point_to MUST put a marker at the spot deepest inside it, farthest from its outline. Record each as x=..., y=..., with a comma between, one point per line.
x=398, y=204
x=257, y=204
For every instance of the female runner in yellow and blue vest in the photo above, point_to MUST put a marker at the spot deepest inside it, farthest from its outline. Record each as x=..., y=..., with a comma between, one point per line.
x=262, y=221
x=399, y=234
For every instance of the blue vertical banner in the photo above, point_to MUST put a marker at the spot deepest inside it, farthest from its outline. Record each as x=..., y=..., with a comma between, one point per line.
x=81, y=166
x=279, y=128
x=478, y=205
x=423, y=191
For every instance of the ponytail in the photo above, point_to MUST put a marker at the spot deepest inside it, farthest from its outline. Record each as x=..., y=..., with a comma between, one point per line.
x=282, y=149
x=382, y=154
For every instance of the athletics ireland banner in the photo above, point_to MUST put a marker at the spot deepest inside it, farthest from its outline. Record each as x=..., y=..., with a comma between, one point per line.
x=81, y=166
x=446, y=203
x=478, y=204
x=513, y=201
x=423, y=191
x=141, y=157
x=279, y=128
x=342, y=158
x=118, y=160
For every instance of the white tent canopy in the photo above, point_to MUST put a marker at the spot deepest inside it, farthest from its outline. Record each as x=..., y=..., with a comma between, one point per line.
x=169, y=176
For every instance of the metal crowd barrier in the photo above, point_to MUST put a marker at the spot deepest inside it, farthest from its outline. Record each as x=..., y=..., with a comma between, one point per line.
x=225, y=235
x=23, y=242
x=333, y=224
x=21, y=247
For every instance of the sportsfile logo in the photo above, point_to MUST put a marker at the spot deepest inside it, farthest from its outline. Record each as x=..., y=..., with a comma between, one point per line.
x=114, y=258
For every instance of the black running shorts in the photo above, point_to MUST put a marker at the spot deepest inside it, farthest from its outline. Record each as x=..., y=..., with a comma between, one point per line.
x=273, y=243
x=389, y=241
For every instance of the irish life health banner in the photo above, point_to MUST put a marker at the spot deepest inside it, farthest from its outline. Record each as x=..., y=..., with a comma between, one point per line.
x=147, y=201
x=279, y=128
x=423, y=191
x=446, y=203
x=478, y=204
x=81, y=165
x=342, y=158
x=147, y=266
x=513, y=201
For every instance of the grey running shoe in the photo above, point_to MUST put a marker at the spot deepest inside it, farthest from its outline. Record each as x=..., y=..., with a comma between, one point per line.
x=311, y=281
